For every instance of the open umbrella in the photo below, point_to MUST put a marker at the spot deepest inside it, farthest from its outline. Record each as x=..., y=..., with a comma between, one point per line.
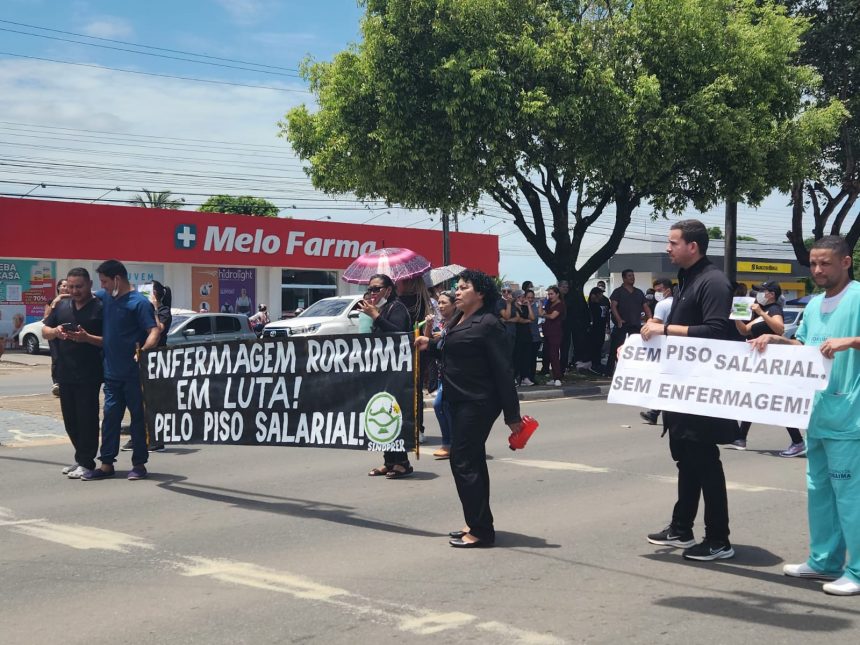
x=442, y=274
x=397, y=264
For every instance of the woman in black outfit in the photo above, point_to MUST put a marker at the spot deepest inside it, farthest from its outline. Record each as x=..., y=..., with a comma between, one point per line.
x=478, y=384
x=389, y=315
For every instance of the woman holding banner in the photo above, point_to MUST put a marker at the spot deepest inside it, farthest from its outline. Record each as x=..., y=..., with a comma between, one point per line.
x=389, y=315
x=478, y=384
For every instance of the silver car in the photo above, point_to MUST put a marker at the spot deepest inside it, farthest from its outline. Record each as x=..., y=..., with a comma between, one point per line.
x=792, y=317
x=209, y=327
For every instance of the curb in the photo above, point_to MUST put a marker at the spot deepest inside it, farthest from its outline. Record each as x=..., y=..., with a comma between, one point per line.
x=546, y=393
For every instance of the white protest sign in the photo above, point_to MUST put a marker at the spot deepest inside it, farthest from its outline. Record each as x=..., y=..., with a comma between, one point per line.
x=720, y=378
x=741, y=308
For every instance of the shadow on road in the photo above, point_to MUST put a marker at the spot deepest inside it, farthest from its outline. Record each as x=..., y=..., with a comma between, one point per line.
x=762, y=610
x=35, y=461
x=293, y=507
x=512, y=540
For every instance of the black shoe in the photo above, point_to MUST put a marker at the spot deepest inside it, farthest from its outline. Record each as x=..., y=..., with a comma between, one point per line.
x=672, y=537
x=650, y=416
x=710, y=550
x=460, y=543
x=457, y=534
x=128, y=446
x=159, y=447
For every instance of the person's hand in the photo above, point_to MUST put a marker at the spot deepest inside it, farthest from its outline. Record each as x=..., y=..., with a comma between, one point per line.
x=421, y=343
x=79, y=336
x=516, y=426
x=831, y=346
x=760, y=344
x=59, y=298
x=756, y=309
x=651, y=329
x=367, y=308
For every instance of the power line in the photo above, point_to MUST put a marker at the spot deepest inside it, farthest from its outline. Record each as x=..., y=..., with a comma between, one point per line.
x=163, y=49
x=132, y=51
x=132, y=71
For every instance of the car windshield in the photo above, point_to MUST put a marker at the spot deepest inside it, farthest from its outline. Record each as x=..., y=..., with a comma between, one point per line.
x=788, y=316
x=325, y=307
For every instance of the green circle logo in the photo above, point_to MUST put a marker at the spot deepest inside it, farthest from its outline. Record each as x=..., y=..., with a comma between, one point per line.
x=383, y=418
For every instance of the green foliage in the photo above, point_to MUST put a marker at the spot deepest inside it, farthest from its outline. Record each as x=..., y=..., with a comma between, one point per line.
x=564, y=111
x=746, y=238
x=155, y=199
x=715, y=233
x=241, y=205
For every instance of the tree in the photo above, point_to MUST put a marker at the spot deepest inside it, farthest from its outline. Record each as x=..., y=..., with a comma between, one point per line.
x=830, y=45
x=715, y=233
x=564, y=112
x=241, y=205
x=155, y=199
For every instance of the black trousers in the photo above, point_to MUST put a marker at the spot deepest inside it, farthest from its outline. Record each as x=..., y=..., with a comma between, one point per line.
x=79, y=403
x=524, y=360
x=471, y=422
x=596, y=338
x=793, y=433
x=700, y=473
x=616, y=340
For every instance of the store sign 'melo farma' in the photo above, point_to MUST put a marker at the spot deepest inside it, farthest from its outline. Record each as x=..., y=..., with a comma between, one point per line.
x=228, y=239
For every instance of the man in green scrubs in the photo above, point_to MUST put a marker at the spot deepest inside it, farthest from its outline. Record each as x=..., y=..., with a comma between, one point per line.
x=832, y=323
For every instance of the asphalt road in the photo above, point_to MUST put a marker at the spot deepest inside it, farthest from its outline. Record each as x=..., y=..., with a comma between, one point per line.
x=278, y=545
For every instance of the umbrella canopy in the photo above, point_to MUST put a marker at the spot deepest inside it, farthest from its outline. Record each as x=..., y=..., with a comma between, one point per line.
x=442, y=274
x=397, y=264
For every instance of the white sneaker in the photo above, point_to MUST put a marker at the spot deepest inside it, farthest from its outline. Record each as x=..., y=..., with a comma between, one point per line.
x=805, y=571
x=794, y=450
x=69, y=469
x=845, y=586
x=76, y=473
x=526, y=382
x=557, y=383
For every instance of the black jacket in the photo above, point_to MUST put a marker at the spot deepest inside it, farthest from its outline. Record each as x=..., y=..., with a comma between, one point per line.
x=703, y=305
x=393, y=317
x=476, y=363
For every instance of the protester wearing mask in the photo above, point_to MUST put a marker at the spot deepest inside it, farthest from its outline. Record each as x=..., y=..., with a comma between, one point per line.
x=389, y=315
x=767, y=319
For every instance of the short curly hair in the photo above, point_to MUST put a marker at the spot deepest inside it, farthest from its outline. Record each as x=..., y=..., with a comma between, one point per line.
x=482, y=284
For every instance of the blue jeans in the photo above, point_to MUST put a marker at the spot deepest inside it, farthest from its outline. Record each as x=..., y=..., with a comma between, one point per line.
x=120, y=395
x=443, y=415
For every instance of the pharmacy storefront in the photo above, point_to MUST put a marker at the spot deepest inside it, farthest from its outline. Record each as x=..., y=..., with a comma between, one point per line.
x=211, y=261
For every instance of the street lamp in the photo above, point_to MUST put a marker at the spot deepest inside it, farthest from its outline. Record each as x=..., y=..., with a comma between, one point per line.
x=118, y=189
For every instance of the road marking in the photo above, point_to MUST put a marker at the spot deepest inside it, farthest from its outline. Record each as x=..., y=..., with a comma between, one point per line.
x=406, y=618
x=21, y=438
x=554, y=465
x=82, y=537
x=583, y=468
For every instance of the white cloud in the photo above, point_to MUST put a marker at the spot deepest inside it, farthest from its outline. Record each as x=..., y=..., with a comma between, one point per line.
x=246, y=12
x=108, y=27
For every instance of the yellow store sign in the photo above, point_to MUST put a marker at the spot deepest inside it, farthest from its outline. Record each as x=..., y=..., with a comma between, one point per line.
x=764, y=267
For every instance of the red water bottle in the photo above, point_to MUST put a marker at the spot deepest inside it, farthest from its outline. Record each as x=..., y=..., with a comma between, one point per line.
x=519, y=440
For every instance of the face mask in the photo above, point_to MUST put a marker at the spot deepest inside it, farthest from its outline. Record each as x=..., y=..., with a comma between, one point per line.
x=658, y=296
x=115, y=291
x=381, y=302
x=649, y=296
x=761, y=298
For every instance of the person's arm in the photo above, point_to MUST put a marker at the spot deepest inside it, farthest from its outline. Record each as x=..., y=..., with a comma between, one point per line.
x=715, y=300
x=500, y=369
x=646, y=310
x=613, y=305
x=506, y=311
x=51, y=305
x=832, y=345
x=775, y=321
x=744, y=328
x=531, y=313
x=83, y=336
x=151, y=339
x=764, y=340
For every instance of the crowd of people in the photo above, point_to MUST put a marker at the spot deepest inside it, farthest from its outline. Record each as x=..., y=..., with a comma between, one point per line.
x=478, y=344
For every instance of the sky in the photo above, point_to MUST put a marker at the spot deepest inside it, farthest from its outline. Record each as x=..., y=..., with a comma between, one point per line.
x=69, y=118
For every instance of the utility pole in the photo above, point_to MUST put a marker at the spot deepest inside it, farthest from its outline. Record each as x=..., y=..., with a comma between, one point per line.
x=730, y=255
x=446, y=244
x=457, y=222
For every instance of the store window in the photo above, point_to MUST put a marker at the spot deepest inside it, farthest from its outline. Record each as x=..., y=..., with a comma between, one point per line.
x=300, y=289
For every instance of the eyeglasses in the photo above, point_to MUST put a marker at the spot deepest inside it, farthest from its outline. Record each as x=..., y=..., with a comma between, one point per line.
x=375, y=289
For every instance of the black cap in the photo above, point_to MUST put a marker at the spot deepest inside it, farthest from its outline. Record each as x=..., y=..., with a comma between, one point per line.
x=770, y=285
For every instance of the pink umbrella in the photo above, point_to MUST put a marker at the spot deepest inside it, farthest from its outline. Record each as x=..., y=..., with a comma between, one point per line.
x=398, y=264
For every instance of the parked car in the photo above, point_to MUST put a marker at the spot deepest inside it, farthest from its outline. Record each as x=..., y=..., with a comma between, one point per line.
x=792, y=317
x=31, y=338
x=337, y=315
x=188, y=329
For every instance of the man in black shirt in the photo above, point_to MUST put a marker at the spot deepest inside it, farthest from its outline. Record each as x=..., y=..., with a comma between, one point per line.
x=76, y=324
x=701, y=310
x=628, y=305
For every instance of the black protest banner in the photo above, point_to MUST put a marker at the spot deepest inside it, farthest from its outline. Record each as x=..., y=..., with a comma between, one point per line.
x=350, y=391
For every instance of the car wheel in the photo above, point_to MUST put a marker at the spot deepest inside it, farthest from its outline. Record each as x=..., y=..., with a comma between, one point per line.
x=31, y=344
